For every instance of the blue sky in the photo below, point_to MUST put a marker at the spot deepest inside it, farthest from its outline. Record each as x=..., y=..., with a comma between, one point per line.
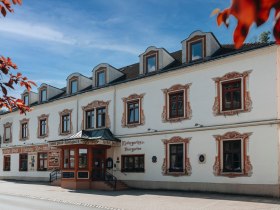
x=51, y=39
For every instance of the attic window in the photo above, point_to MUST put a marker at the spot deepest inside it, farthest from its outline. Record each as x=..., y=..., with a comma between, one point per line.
x=43, y=95
x=101, y=78
x=26, y=99
x=196, y=50
x=74, y=86
x=151, y=63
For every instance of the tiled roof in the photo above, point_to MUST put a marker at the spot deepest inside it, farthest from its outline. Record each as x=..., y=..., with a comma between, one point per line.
x=131, y=72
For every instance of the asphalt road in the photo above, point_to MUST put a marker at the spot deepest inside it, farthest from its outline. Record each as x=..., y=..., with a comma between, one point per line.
x=8, y=202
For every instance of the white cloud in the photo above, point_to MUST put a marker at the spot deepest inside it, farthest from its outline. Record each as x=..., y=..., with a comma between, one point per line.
x=36, y=31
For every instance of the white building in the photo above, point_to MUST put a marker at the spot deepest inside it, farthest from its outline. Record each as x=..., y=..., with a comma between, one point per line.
x=203, y=118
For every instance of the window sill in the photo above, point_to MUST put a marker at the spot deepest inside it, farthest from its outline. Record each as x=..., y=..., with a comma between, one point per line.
x=64, y=133
x=41, y=137
x=176, y=119
x=125, y=171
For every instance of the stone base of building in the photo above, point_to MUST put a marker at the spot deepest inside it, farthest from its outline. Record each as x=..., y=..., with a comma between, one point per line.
x=245, y=189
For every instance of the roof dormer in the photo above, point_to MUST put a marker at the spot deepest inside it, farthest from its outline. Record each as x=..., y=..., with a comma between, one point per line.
x=198, y=46
x=103, y=74
x=154, y=59
x=77, y=82
x=29, y=97
x=47, y=92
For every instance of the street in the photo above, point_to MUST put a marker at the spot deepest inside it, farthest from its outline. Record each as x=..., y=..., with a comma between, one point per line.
x=8, y=202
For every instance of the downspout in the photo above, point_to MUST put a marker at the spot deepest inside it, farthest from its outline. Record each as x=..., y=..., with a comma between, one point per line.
x=77, y=110
x=115, y=111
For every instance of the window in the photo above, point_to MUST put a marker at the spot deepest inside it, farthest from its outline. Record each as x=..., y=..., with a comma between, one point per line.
x=23, y=160
x=176, y=157
x=90, y=119
x=133, y=163
x=196, y=50
x=43, y=95
x=43, y=127
x=231, y=95
x=83, y=159
x=7, y=134
x=176, y=161
x=69, y=158
x=24, y=127
x=7, y=163
x=133, y=112
x=96, y=115
x=232, y=158
x=42, y=161
x=26, y=99
x=65, y=123
x=151, y=63
x=176, y=104
x=101, y=117
x=74, y=86
x=101, y=78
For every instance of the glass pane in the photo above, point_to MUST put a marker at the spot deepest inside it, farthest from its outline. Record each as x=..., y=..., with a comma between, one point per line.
x=101, y=78
x=44, y=95
x=74, y=86
x=236, y=99
x=136, y=114
x=26, y=100
x=83, y=158
x=66, y=158
x=151, y=63
x=196, y=50
x=8, y=133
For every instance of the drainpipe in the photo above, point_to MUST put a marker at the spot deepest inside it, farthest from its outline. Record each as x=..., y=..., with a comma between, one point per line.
x=77, y=110
x=115, y=111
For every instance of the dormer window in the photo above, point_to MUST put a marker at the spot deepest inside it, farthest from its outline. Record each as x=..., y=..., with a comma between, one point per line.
x=101, y=78
x=74, y=86
x=26, y=99
x=43, y=95
x=151, y=63
x=196, y=50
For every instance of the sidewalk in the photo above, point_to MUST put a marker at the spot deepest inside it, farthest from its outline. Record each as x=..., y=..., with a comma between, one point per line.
x=137, y=199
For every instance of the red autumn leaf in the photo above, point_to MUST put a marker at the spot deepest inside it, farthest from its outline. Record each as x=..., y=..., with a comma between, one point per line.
x=248, y=12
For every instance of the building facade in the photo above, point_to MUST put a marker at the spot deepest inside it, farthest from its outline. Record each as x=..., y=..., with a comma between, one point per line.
x=203, y=118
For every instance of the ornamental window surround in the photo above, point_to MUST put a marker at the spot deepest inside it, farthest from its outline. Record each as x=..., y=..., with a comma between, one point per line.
x=133, y=114
x=176, y=161
x=7, y=133
x=65, y=125
x=232, y=158
x=177, y=106
x=96, y=115
x=43, y=127
x=24, y=129
x=232, y=94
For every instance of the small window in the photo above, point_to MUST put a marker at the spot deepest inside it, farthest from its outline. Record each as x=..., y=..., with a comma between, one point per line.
x=232, y=156
x=43, y=95
x=7, y=134
x=23, y=160
x=26, y=99
x=151, y=63
x=176, y=158
x=196, y=50
x=90, y=119
x=69, y=158
x=176, y=104
x=66, y=123
x=231, y=95
x=42, y=161
x=101, y=78
x=24, y=130
x=7, y=163
x=133, y=163
x=83, y=159
x=43, y=127
x=133, y=112
x=74, y=86
x=101, y=117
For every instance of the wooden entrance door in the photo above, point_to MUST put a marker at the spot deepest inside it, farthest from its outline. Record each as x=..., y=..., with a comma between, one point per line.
x=98, y=168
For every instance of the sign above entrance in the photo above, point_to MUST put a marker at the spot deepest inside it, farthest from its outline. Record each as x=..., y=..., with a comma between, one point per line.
x=83, y=141
x=132, y=146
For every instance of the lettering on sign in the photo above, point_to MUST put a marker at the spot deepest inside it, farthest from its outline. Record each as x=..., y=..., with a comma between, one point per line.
x=26, y=149
x=132, y=146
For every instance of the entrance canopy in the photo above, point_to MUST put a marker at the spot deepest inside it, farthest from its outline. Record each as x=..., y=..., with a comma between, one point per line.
x=89, y=137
